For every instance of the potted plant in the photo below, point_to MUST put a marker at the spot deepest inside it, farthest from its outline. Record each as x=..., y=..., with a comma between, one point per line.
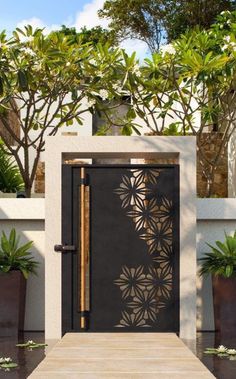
x=16, y=264
x=220, y=262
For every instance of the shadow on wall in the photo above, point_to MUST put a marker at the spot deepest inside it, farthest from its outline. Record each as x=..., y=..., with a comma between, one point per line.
x=31, y=230
x=205, y=315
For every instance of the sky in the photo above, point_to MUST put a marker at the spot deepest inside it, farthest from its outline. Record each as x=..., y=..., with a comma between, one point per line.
x=51, y=14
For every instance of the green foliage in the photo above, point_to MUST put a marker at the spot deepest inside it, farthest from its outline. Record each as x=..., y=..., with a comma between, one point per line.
x=91, y=36
x=186, y=89
x=55, y=79
x=16, y=257
x=187, y=14
x=150, y=20
x=140, y=19
x=173, y=129
x=222, y=258
x=10, y=177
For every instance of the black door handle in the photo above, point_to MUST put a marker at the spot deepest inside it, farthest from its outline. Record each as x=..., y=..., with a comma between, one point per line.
x=64, y=248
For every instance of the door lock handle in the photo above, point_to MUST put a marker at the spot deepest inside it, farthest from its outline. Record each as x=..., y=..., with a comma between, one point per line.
x=64, y=248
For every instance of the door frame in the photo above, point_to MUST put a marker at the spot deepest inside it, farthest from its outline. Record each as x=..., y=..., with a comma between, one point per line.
x=59, y=148
x=68, y=231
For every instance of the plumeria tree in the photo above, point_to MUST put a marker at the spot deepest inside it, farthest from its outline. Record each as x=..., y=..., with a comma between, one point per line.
x=189, y=89
x=49, y=81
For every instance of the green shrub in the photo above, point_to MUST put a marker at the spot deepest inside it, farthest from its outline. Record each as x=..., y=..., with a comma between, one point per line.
x=222, y=259
x=15, y=257
x=10, y=177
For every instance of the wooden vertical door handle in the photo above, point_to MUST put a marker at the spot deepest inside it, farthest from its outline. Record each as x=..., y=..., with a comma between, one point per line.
x=82, y=252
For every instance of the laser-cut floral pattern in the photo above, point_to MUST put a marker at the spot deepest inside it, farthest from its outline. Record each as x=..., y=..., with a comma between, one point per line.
x=159, y=281
x=165, y=210
x=146, y=290
x=146, y=175
x=145, y=296
x=162, y=258
x=146, y=305
x=132, y=191
x=144, y=215
x=131, y=281
x=131, y=320
x=159, y=237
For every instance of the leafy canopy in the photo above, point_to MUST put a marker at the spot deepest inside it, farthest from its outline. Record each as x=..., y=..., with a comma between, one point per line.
x=91, y=36
x=142, y=19
x=196, y=67
x=186, y=15
x=187, y=88
x=153, y=20
x=49, y=81
x=55, y=80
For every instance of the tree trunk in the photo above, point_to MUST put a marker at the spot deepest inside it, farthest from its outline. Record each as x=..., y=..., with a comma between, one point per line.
x=28, y=190
x=210, y=182
x=209, y=187
x=28, y=185
x=114, y=130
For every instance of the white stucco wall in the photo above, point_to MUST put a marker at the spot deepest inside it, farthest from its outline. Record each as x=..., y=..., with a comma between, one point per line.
x=27, y=215
x=169, y=119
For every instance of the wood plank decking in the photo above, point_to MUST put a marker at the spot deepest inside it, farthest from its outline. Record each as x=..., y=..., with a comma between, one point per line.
x=119, y=356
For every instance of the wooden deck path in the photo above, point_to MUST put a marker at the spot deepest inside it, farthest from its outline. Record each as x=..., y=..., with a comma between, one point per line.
x=119, y=356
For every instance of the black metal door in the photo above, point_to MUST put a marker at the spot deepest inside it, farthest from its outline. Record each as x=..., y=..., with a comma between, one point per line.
x=133, y=253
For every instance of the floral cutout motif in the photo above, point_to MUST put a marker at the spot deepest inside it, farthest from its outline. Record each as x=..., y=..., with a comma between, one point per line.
x=159, y=237
x=152, y=218
x=147, y=291
x=131, y=320
x=145, y=294
x=162, y=258
x=144, y=215
x=159, y=281
x=132, y=191
x=145, y=305
x=131, y=281
x=146, y=175
x=165, y=210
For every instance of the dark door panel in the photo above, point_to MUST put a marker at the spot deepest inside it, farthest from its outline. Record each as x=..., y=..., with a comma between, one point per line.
x=133, y=249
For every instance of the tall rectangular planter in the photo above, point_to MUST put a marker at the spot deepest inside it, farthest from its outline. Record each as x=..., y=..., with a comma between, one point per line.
x=12, y=303
x=224, y=298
